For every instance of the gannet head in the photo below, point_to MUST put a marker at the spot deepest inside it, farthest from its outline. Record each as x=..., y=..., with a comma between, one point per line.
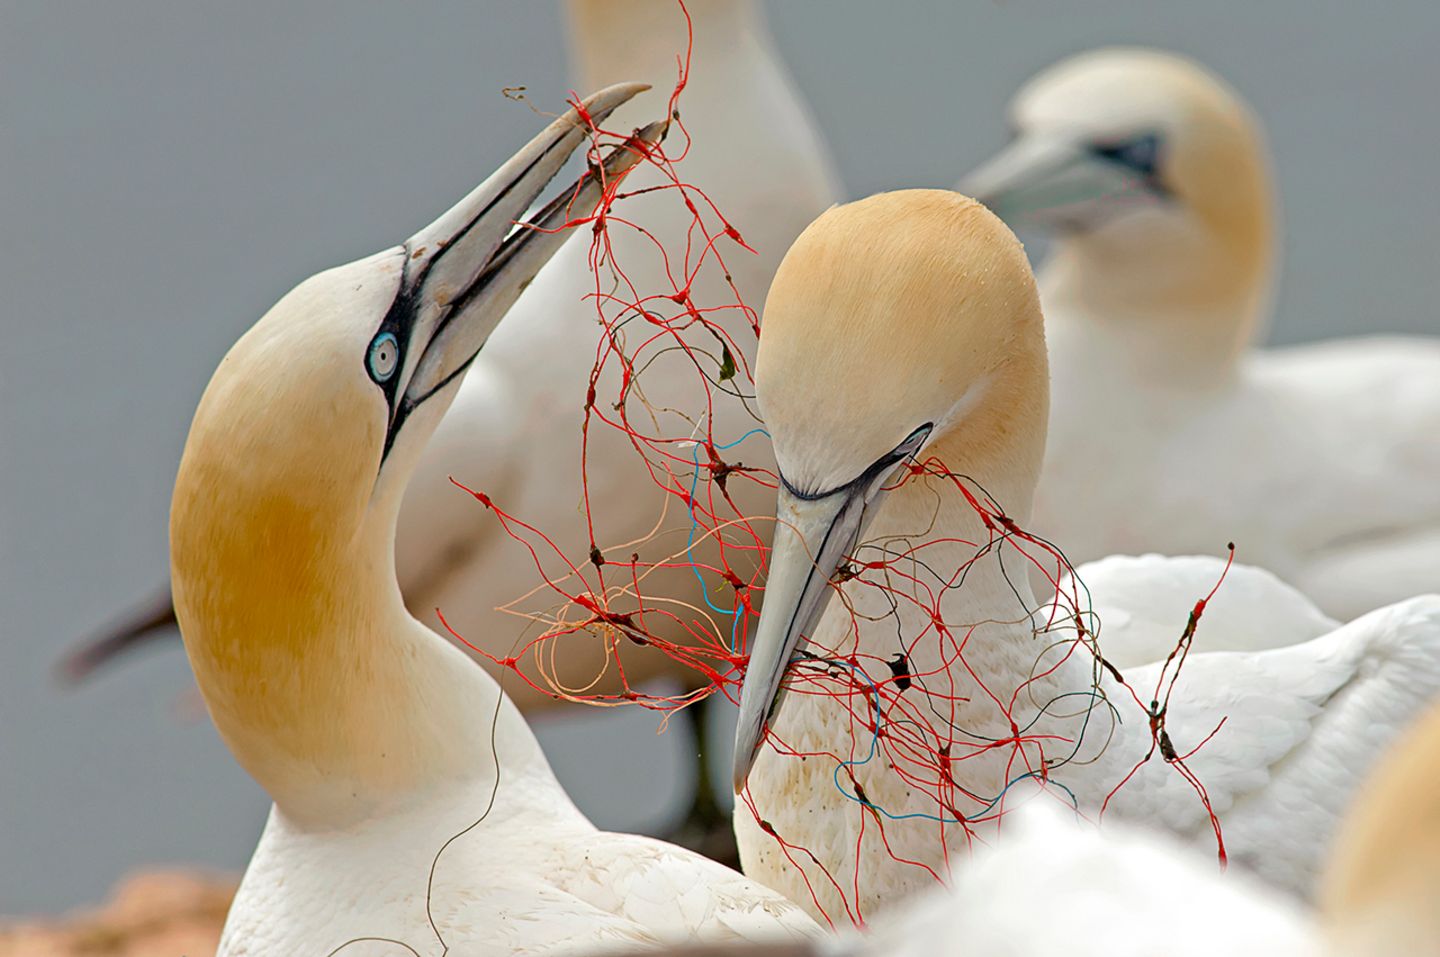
x=894, y=323
x=283, y=516
x=1114, y=145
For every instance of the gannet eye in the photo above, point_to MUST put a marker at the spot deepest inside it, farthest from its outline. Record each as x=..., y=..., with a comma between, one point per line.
x=883, y=471
x=1140, y=154
x=384, y=356
x=912, y=444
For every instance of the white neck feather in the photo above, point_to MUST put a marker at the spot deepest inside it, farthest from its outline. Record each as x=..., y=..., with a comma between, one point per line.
x=1164, y=304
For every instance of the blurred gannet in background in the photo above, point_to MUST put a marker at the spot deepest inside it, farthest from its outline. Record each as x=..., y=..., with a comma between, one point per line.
x=1167, y=431
x=514, y=429
x=1380, y=891
x=908, y=325
x=414, y=811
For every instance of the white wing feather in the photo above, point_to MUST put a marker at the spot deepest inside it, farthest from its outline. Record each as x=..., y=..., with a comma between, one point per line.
x=1302, y=727
x=1142, y=603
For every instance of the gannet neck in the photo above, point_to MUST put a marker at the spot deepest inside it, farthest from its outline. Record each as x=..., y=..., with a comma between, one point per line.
x=614, y=39
x=1378, y=896
x=1179, y=302
x=282, y=541
x=1000, y=441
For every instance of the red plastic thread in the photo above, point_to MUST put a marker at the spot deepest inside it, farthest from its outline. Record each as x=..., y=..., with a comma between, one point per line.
x=600, y=598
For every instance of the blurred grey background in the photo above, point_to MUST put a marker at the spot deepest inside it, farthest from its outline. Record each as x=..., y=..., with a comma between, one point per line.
x=168, y=168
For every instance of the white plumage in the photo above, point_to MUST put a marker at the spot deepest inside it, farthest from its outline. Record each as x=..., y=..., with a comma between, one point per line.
x=1168, y=432
x=1060, y=886
x=534, y=878
x=1141, y=604
x=1303, y=726
x=1056, y=886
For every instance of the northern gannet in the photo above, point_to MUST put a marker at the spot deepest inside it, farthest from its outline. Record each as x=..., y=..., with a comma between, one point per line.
x=530, y=380
x=907, y=326
x=1167, y=431
x=414, y=811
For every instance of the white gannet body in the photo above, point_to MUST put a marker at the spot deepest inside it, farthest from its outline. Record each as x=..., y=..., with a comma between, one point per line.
x=907, y=325
x=1167, y=431
x=514, y=430
x=414, y=812
x=1142, y=601
x=1059, y=886
x=1056, y=886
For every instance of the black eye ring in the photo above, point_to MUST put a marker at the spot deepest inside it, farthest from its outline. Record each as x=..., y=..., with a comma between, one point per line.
x=1140, y=154
x=383, y=357
x=879, y=469
x=912, y=443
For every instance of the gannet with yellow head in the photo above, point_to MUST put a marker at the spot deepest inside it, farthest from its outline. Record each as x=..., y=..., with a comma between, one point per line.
x=1168, y=432
x=908, y=325
x=414, y=812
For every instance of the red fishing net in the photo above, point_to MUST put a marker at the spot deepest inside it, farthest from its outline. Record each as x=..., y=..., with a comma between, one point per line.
x=895, y=711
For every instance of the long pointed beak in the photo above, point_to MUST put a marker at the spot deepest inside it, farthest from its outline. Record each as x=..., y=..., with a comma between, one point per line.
x=811, y=538
x=1049, y=181
x=463, y=273
x=466, y=269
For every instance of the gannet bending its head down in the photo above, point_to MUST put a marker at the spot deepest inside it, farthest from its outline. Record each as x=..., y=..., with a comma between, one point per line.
x=907, y=325
x=386, y=751
x=1167, y=433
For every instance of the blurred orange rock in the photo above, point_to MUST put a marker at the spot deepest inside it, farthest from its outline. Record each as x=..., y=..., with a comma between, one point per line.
x=159, y=913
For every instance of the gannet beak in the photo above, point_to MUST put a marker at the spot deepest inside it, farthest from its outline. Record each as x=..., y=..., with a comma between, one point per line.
x=811, y=538
x=1055, y=182
x=465, y=270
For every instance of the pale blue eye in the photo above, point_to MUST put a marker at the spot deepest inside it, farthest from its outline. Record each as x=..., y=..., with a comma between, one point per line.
x=384, y=356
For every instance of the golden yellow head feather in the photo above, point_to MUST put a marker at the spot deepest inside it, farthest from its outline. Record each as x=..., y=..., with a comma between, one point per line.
x=899, y=310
